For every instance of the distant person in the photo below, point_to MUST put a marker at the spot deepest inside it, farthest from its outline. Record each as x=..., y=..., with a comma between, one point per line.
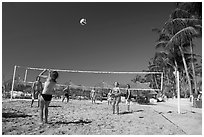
x=109, y=97
x=36, y=90
x=101, y=95
x=66, y=94
x=47, y=93
x=93, y=95
x=199, y=95
x=128, y=97
x=116, y=98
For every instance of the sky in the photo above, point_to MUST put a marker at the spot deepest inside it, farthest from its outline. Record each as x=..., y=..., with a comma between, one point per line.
x=117, y=37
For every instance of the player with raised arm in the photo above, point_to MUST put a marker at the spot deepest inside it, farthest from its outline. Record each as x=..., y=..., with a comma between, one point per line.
x=47, y=93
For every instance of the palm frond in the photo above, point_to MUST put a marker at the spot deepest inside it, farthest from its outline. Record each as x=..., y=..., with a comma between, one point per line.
x=161, y=53
x=161, y=44
x=152, y=67
x=179, y=13
x=199, y=30
x=175, y=25
x=164, y=37
x=194, y=55
x=194, y=8
x=183, y=36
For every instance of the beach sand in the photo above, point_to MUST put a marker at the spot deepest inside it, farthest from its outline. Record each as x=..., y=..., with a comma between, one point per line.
x=81, y=117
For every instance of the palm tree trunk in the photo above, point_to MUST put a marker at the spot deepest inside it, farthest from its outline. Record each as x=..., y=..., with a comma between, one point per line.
x=155, y=79
x=186, y=70
x=176, y=69
x=167, y=76
x=193, y=68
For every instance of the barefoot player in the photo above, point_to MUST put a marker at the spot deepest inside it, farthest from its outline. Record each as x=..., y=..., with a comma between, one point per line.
x=128, y=97
x=66, y=94
x=116, y=94
x=36, y=90
x=47, y=93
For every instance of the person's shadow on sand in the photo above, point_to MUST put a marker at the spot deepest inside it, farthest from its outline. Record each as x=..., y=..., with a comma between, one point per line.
x=55, y=106
x=125, y=112
x=82, y=122
x=130, y=112
x=14, y=115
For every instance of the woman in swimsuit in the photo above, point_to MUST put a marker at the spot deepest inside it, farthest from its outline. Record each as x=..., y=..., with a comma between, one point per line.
x=116, y=94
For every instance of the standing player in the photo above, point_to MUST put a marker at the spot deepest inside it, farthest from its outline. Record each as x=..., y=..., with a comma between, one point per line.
x=36, y=90
x=66, y=94
x=116, y=94
x=47, y=93
x=109, y=97
x=128, y=97
x=93, y=96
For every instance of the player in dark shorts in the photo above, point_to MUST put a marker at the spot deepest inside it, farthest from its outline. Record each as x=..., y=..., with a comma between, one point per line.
x=66, y=94
x=47, y=93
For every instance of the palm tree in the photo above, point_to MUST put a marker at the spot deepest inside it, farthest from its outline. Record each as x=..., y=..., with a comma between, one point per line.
x=193, y=10
x=177, y=35
x=158, y=65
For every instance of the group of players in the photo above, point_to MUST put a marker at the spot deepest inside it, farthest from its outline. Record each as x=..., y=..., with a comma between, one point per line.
x=114, y=97
x=44, y=94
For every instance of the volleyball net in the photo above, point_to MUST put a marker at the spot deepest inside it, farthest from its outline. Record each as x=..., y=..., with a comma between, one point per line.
x=81, y=82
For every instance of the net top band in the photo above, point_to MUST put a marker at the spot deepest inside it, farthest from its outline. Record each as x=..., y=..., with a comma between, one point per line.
x=90, y=71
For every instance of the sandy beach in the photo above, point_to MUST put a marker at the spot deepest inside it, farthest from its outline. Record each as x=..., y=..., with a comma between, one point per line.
x=84, y=118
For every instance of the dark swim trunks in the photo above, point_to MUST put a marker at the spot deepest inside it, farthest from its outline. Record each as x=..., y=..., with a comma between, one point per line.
x=67, y=95
x=47, y=97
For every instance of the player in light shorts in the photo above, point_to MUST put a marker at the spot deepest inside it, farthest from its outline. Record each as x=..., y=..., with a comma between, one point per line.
x=93, y=95
x=37, y=90
x=109, y=97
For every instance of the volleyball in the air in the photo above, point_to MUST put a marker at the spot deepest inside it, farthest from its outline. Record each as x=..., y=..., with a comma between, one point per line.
x=82, y=21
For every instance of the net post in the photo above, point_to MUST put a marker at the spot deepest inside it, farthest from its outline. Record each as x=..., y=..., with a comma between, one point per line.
x=178, y=93
x=13, y=81
x=162, y=78
x=25, y=75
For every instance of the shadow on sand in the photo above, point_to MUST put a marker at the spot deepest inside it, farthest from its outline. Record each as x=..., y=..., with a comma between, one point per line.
x=125, y=112
x=14, y=115
x=130, y=112
x=55, y=106
x=82, y=122
x=98, y=103
x=140, y=110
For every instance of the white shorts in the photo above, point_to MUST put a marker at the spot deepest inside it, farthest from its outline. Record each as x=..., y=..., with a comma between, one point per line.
x=128, y=102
